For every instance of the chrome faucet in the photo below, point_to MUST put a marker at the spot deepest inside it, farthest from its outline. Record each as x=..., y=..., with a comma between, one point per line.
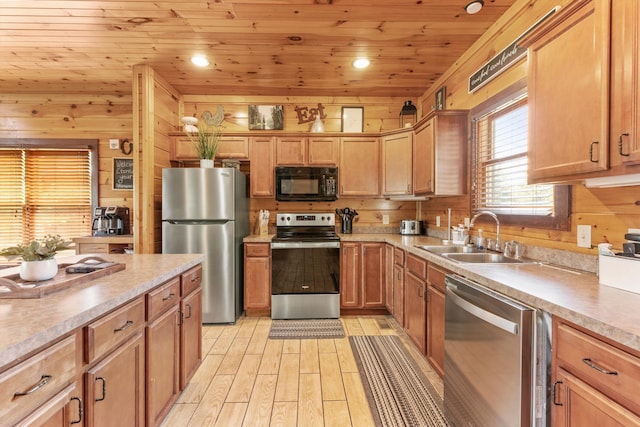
x=494, y=216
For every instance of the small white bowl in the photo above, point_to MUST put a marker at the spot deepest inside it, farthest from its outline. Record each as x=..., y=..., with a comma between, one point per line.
x=188, y=120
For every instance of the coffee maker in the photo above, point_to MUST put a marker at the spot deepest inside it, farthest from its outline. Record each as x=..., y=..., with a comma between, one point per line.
x=100, y=222
x=118, y=220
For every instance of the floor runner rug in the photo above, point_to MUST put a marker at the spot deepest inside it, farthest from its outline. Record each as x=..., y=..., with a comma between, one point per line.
x=398, y=392
x=306, y=328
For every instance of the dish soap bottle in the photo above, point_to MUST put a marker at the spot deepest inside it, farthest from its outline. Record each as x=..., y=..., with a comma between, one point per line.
x=480, y=239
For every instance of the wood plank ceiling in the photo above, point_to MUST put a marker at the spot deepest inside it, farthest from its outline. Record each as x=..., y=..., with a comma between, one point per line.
x=256, y=47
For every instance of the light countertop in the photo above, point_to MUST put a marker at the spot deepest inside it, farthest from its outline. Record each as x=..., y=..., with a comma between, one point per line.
x=573, y=295
x=28, y=324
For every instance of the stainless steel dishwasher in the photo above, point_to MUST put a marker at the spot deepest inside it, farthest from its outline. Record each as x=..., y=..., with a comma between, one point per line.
x=496, y=359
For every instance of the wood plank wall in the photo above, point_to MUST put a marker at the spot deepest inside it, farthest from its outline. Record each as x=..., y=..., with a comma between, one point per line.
x=610, y=212
x=69, y=115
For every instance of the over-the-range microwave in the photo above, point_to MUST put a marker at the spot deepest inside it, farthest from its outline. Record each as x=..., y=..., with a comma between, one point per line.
x=306, y=183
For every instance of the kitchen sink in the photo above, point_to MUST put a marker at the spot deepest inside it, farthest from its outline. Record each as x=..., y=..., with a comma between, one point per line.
x=482, y=258
x=450, y=249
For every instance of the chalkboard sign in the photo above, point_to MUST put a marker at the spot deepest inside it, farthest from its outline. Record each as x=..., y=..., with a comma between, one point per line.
x=122, y=173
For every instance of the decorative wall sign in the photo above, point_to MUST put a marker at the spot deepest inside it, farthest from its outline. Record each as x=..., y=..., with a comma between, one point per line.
x=441, y=98
x=122, y=173
x=266, y=117
x=353, y=119
x=307, y=115
x=504, y=59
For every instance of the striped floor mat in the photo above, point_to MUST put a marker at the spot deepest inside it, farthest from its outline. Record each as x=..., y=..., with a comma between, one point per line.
x=399, y=393
x=306, y=328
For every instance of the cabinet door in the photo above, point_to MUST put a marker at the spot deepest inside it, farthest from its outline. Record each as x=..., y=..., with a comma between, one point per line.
x=359, y=166
x=577, y=404
x=115, y=387
x=233, y=147
x=190, y=336
x=373, y=275
x=291, y=151
x=625, y=85
x=568, y=91
x=350, y=295
x=388, y=277
x=415, y=310
x=423, y=158
x=261, y=155
x=398, y=294
x=397, y=164
x=163, y=365
x=322, y=150
x=257, y=283
x=435, y=329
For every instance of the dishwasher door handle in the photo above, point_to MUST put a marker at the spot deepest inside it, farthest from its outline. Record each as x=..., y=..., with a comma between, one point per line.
x=487, y=316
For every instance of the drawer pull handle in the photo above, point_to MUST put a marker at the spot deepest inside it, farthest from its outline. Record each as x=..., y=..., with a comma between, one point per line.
x=127, y=325
x=190, y=311
x=195, y=279
x=43, y=381
x=554, y=392
x=589, y=363
x=79, y=420
x=104, y=389
x=169, y=297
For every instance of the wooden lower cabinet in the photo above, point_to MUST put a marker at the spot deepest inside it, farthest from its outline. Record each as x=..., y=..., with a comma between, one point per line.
x=190, y=336
x=115, y=387
x=595, y=381
x=435, y=317
x=362, y=276
x=415, y=305
x=388, y=277
x=257, y=278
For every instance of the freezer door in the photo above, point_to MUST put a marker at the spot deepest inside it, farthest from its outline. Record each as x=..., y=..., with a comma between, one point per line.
x=198, y=193
x=220, y=286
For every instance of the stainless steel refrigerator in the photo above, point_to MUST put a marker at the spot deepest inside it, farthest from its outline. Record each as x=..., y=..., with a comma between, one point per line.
x=206, y=210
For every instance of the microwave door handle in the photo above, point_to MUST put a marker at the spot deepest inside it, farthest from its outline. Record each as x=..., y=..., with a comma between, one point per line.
x=478, y=312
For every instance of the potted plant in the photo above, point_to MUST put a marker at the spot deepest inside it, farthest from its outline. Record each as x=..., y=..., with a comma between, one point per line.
x=38, y=257
x=206, y=140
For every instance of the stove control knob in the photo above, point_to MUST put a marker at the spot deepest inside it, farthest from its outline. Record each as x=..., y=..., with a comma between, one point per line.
x=322, y=218
x=288, y=218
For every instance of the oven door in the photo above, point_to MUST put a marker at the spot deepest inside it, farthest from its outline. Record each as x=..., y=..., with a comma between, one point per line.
x=305, y=280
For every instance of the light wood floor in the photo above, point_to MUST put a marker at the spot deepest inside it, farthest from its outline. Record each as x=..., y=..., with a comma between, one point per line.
x=247, y=379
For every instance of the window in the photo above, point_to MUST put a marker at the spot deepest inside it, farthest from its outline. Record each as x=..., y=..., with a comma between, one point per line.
x=500, y=167
x=46, y=187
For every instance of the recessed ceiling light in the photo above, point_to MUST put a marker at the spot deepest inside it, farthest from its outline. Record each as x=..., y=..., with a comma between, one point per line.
x=361, y=63
x=200, y=61
x=474, y=7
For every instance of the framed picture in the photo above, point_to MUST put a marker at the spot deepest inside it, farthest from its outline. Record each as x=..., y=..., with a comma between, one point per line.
x=353, y=119
x=122, y=173
x=441, y=98
x=266, y=117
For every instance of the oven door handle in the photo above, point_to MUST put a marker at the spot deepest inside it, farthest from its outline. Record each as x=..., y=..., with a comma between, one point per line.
x=304, y=245
x=482, y=314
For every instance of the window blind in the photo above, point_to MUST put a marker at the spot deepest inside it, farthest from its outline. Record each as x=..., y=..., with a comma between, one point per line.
x=44, y=191
x=500, y=165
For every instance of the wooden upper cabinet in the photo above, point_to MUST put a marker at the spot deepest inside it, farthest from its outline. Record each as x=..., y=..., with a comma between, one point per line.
x=439, y=154
x=359, y=166
x=231, y=147
x=625, y=85
x=302, y=151
x=397, y=164
x=568, y=89
x=261, y=156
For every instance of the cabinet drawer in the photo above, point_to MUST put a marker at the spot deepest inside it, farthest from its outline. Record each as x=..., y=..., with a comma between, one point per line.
x=257, y=249
x=417, y=266
x=163, y=297
x=107, y=332
x=398, y=256
x=576, y=351
x=435, y=277
x=92, y=248
x=191, y=280
x=39, y=379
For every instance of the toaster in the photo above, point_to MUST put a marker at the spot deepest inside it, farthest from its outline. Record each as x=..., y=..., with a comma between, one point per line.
x=412, y=226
